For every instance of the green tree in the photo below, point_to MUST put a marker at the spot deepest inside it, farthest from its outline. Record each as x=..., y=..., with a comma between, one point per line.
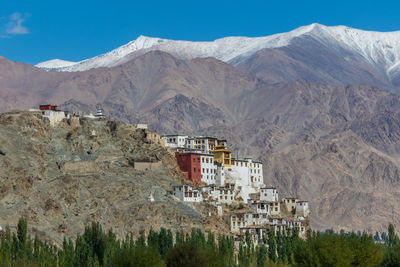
x=262, y=252
x=272, y=245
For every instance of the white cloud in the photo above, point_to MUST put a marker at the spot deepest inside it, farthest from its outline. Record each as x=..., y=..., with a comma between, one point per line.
x=14, y=24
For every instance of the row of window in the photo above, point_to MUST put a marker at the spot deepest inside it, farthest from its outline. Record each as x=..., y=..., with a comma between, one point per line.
x=207, y=170
x=212, y=177
x=207, y=160
x=237, y=163
x=173, y=140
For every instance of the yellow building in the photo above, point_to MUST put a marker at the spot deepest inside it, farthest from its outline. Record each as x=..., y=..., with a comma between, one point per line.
x=222, y=155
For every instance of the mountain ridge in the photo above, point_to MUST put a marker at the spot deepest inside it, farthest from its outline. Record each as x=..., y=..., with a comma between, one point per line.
x=227, y=49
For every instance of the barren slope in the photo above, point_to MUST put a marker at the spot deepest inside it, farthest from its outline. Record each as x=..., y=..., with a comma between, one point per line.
x=64, y=177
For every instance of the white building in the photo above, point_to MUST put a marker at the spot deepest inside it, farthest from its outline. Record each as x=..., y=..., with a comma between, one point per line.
x=226, y=194
x=250, y=171
x=175, y=141
x=265, y=207
x=220, y=194
x=220, y=174
x=55, y=116
x=247, y=175
x=205, y=144
x=208, y=169
x=269, y=194
x=187, y=193
x=302, y=209
x=237, y=221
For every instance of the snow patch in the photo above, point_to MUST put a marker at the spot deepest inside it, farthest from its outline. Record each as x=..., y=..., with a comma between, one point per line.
x=55, y=63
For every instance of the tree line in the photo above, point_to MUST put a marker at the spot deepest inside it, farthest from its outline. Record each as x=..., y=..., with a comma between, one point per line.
x=96, y=247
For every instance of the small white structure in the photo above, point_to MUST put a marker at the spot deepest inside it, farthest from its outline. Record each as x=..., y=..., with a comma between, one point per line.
x=187, y=193
x=55, y=116
x=150, y=198
x=175, y=140
x=237, y=221
x=220, y=174
x=141, y=126
x=269, y=194
x=99, y=112
x=265, y=207
x=220, y=212
x=302, y=209
x=90, y=116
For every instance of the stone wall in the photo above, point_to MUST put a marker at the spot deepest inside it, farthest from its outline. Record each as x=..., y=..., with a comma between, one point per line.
x=143, y=165
x=80, y=167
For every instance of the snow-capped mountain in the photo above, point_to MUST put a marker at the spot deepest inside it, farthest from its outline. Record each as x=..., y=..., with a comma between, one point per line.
x=55, y=63
x=378, y=48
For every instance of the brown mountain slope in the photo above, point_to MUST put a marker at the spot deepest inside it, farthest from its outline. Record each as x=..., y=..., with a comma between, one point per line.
x=310, y=59
x=290, y=126
x=351, y=185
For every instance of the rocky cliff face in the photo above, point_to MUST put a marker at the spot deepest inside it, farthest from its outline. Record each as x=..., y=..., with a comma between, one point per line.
x=61, y=178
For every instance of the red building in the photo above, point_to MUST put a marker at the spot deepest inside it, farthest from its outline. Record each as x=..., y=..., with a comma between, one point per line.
x=48, y=107
x=189, y=163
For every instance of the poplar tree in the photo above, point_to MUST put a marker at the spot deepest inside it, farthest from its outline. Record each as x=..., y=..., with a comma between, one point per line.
x=271, y=245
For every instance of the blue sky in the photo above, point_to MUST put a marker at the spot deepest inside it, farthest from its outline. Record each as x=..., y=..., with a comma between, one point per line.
x=35, y=31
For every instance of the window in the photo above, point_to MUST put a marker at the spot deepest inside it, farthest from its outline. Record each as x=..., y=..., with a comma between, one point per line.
x=194, y=169
x=202, y=160
x=206, y=160
x=203, y=170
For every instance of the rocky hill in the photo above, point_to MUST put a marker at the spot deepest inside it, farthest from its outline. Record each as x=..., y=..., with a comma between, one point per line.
x=61, y=178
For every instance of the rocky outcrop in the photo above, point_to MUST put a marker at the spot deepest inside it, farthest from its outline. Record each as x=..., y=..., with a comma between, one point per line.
x=63, y=177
